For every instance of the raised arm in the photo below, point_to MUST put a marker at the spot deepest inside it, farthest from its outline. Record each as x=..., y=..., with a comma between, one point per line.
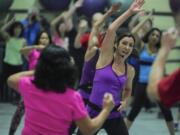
x=82, y=28
x=168, y=41
x=135, y=31
x=106, y=54
x=127, y=89
x=134, y=20
x=67, y=15
x=97, y=25
x=139, y=25
x=96, y=28
x=5, y=27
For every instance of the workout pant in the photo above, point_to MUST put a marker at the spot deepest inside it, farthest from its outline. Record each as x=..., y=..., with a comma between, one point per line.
x=17, y=118
x=114, y=126
x=139, y=99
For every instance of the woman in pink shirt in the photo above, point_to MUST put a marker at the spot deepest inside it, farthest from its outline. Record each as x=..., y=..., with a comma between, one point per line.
x=32, y=53
x=50, y=101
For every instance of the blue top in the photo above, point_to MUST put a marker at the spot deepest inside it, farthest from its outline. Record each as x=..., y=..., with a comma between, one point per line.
x=30, y=31
x=146, y=61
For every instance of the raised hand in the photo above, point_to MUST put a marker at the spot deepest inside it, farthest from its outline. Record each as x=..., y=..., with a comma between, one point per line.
x=79, y=3
x=136, y=6
x=83, y=26
x=114, y=8
x=169, y=38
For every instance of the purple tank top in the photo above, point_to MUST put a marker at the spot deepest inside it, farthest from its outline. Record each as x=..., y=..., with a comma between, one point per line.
x=106, y=80
x=88, y=73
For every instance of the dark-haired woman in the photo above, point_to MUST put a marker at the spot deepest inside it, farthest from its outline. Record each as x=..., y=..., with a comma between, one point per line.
x=113, y=74
x=63, y=24
x=12, y=32
x=91, y=57
x=51, y=103
x=149, y=50
x=32, y=53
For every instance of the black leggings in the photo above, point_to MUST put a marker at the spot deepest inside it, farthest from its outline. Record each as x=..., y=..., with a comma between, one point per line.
x=139, y=99
x=114, y=126
x=16, y=119
x=7, y=94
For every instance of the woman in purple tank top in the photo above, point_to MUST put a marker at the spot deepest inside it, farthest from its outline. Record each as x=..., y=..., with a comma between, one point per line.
x=113, y=74
x=92, y=53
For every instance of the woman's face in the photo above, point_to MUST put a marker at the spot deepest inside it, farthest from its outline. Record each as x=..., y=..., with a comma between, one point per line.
x=17, y=31
x=154, y=37
x=144, y=29
x=44, y=39
x=147, y=26
x=125, y=46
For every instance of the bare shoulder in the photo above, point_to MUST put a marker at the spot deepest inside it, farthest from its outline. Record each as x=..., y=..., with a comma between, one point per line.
x=130, y=70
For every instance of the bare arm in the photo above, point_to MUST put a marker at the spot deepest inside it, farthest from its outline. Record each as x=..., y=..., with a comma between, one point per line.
x=27, y=49
x=106, y=54
x=93, y=39
x=89, y=126
x=128, y=89
x=82, y=28
x=168, y=41
x=13, y=80
x=96, y=27
x=67, y=15
x=133, y=21
x=139, y=25
x=135, y=31
x=4, y=28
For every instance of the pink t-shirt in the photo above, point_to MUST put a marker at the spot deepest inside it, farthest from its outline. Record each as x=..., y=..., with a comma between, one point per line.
x=49, y=113
x=33, y=58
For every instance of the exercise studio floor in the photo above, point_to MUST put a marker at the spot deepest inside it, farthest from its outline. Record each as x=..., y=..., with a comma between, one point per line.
x=145, y=124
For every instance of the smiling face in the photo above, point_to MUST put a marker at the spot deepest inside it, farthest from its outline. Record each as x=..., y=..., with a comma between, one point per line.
x=125, y=46
x=44, y=39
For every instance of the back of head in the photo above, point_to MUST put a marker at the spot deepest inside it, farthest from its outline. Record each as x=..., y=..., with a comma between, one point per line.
x=55, y=70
